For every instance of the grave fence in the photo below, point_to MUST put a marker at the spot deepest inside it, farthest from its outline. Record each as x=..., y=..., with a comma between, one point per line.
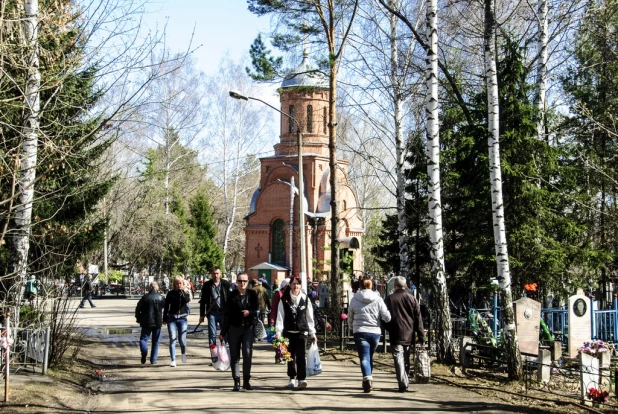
x=604, y=322
x=567, y=381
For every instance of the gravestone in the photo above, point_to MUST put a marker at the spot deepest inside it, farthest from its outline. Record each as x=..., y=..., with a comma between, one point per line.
x=589, y=374
x=544, y=366
x=579, y=323
x=605, y=360
x=465, y=355
x=528, y=323
x=555, y=347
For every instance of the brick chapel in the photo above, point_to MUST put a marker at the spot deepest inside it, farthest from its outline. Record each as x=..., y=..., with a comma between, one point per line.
x=274, y=212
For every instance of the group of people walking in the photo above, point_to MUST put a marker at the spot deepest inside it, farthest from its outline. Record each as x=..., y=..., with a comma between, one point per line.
x=291, y=313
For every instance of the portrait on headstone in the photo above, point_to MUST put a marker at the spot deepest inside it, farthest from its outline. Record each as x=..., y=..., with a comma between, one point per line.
x=579, y=307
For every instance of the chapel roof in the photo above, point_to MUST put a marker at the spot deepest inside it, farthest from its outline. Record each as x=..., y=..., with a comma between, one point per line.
x=305, y=74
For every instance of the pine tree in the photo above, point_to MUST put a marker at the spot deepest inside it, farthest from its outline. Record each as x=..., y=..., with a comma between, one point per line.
x=206, y=253
x=591, y=135
x=64, y=224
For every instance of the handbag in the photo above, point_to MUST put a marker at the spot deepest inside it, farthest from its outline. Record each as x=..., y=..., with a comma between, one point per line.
x=259, y=330
x=422, y=367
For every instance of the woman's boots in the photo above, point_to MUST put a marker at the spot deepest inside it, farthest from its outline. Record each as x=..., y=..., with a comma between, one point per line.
x=245, y=384
x=236, y=384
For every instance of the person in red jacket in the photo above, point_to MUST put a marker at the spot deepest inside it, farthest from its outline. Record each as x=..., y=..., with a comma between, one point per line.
x=274, y=305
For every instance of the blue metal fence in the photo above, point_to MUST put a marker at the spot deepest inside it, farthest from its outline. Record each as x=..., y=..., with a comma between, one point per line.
x=604, y=323
x=557, y=321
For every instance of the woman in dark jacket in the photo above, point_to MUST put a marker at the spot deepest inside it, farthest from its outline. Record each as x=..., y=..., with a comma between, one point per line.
x=240, y=312
x=175, y=316
x=295, y=322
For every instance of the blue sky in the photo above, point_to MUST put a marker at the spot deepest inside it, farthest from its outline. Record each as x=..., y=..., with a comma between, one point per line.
x=220, y=26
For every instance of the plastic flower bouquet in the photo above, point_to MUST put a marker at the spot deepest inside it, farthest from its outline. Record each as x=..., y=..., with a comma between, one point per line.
x=594, y=348
x=281, y=347
x=597, y=395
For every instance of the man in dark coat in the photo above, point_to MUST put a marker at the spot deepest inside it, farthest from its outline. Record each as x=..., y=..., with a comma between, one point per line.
x=213, y=299
x=87, y=293
x=149, y=315
x=405, y=321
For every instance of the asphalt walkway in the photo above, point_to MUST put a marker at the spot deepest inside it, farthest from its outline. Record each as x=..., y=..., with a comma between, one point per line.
x=130, y=387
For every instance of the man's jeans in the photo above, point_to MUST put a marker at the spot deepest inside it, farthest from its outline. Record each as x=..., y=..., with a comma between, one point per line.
x=401, y=357
x=214, y=316
x=177, y=329
x=366, y=344
x=241, y=338
x=83, y=302
x=143, y=341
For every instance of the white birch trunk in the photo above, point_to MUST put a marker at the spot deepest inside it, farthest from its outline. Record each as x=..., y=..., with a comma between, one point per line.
x=446, y=351
x=166, y=183
x=541, y=76
x=225, y=178
x=28, y=156
x=402, y=221
x=232, y=202
x=497, y=205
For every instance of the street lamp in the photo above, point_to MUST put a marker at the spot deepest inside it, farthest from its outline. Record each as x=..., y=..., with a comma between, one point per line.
x=301, y=191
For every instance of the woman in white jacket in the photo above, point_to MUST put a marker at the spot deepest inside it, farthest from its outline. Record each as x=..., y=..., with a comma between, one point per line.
x=364, y=314
x=295, y=322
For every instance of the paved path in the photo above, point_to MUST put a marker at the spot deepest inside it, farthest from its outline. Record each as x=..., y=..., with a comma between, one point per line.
x=197, y=387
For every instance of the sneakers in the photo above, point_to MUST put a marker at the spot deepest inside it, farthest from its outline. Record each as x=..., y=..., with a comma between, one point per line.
x=367, y=385
x=143, y=359
x=292, y=383
x=302, y=384
x=184, y=358
x=173, y=364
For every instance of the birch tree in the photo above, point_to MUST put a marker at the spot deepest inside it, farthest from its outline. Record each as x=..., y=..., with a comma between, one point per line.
x=446, y=351
x=541, y=76
x=236, y=131
x=382, y=92
x=176, y=114
x=402, y=222
x=495, y=173
x=28, y=155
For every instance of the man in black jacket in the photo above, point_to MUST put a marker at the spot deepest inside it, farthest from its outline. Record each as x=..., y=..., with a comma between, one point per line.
x=87, y=293
x=213, y=299
x=149, y=315
x=405, y=321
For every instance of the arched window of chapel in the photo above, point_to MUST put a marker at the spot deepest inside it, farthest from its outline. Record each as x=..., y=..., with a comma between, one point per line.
x=278, y=242
x=291, y=120
x=309, y=118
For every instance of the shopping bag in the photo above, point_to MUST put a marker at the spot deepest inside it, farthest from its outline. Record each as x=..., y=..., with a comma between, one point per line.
x=259, y=330
x=214, y=356
x=224, y=357
x=314, y=365
x=422, y=367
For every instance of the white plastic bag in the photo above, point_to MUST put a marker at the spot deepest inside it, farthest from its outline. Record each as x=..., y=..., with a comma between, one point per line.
x=224, y=357
x=259, y=330
x=214, y=356
x=422, y=367
x=314, y=365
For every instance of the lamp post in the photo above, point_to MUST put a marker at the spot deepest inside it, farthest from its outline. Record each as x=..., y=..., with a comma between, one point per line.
x=301, y=191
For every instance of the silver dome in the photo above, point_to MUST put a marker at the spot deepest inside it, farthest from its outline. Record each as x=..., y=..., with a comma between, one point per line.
x=305, y=75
